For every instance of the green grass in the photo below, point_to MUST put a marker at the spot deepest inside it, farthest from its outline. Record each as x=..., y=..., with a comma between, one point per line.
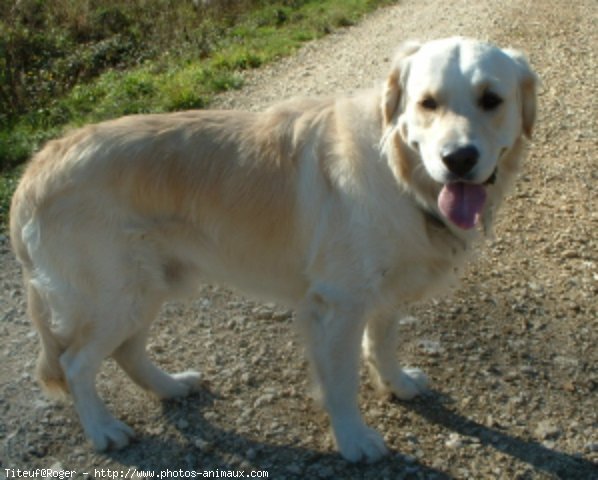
x=8, y=183
x=70, y=62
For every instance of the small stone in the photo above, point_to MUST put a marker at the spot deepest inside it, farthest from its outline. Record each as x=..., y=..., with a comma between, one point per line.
x=492, y=422
x=547, y=431
x=569, y=386
x=535, y=287
x=326, y=472
x=563, y=361
x=430, y=347
x=238, y=321
x=210, y=416
x=294, y=468
x=251, y=454
x=182, y=424
x=454, y=441
x=282, y=316
x=246, y=378
x=262, y=313
x=409, y=320
x=591, y=447
x=157, y=431
x=202, y=444
x=412, y=470
x=528, y=370
x=56, y=467
x=265, y=399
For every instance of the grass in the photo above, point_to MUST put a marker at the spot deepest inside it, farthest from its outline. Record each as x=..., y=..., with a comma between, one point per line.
x=70, y=62
x=8, y=183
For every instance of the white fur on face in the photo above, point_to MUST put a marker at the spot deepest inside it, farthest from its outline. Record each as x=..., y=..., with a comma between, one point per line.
x=455, y=74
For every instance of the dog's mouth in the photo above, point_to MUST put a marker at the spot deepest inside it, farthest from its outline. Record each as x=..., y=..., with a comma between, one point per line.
x=463, y=203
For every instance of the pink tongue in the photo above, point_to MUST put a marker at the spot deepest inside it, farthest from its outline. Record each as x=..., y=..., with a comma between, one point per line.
x=462, y=203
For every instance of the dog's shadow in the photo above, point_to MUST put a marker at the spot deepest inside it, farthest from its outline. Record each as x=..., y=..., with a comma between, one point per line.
x=194, y=443
x=200, y=445
x=561, y=465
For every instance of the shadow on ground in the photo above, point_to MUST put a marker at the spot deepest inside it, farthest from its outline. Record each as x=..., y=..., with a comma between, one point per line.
x=539, y=457
x=201, y=446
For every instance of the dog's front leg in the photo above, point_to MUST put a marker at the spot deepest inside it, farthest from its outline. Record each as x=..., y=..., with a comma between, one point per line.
x=332, y=324
x=380, y=350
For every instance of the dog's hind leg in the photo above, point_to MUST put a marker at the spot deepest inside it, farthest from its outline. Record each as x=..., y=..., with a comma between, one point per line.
x=133, y=358
x=81, y=362
x=380, y=344
x=100, y=327
x=332, y=324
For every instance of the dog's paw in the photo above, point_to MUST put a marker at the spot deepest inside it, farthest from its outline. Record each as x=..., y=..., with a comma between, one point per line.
x=409, y=383
x=110, y=434
x=359, y=443
x=186, y=383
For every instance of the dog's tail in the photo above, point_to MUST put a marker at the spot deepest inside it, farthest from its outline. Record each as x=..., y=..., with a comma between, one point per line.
x=49, y=371
x=24, y=233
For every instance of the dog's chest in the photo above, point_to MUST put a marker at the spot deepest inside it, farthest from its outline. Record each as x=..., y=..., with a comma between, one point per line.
x=422, y=265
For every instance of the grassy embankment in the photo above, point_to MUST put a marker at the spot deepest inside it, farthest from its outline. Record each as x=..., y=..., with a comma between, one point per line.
x=69, y=62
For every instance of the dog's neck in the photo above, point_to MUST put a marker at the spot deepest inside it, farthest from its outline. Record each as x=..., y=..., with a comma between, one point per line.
x=437, y=227
x=434, y=219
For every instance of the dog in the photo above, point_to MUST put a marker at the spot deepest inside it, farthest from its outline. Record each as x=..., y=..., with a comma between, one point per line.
x=345, y=208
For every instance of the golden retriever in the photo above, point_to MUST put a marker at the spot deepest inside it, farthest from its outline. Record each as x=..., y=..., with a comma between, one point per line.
x=344, y=208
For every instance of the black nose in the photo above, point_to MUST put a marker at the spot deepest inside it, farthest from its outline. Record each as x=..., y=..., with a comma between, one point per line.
x=461, y=160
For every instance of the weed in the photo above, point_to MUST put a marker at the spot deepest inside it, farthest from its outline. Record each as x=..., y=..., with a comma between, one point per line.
x=8, y=183
x=70, y=62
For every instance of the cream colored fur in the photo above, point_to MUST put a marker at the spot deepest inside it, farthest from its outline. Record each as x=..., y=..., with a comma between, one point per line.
x=326, y=205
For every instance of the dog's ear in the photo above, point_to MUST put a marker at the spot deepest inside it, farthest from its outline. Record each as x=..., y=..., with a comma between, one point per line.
x=391, y=96
x=528, y=82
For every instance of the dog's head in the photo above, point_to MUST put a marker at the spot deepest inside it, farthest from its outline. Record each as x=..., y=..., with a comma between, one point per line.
x=455, y=112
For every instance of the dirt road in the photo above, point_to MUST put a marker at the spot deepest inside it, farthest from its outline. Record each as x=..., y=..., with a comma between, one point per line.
x=512, y=354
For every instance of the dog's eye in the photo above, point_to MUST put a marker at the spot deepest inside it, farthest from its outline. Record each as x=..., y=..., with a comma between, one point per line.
x=429, y=103
x=490, y=101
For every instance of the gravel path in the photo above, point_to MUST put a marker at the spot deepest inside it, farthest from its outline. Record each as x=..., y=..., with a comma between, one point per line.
x=512, y=354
